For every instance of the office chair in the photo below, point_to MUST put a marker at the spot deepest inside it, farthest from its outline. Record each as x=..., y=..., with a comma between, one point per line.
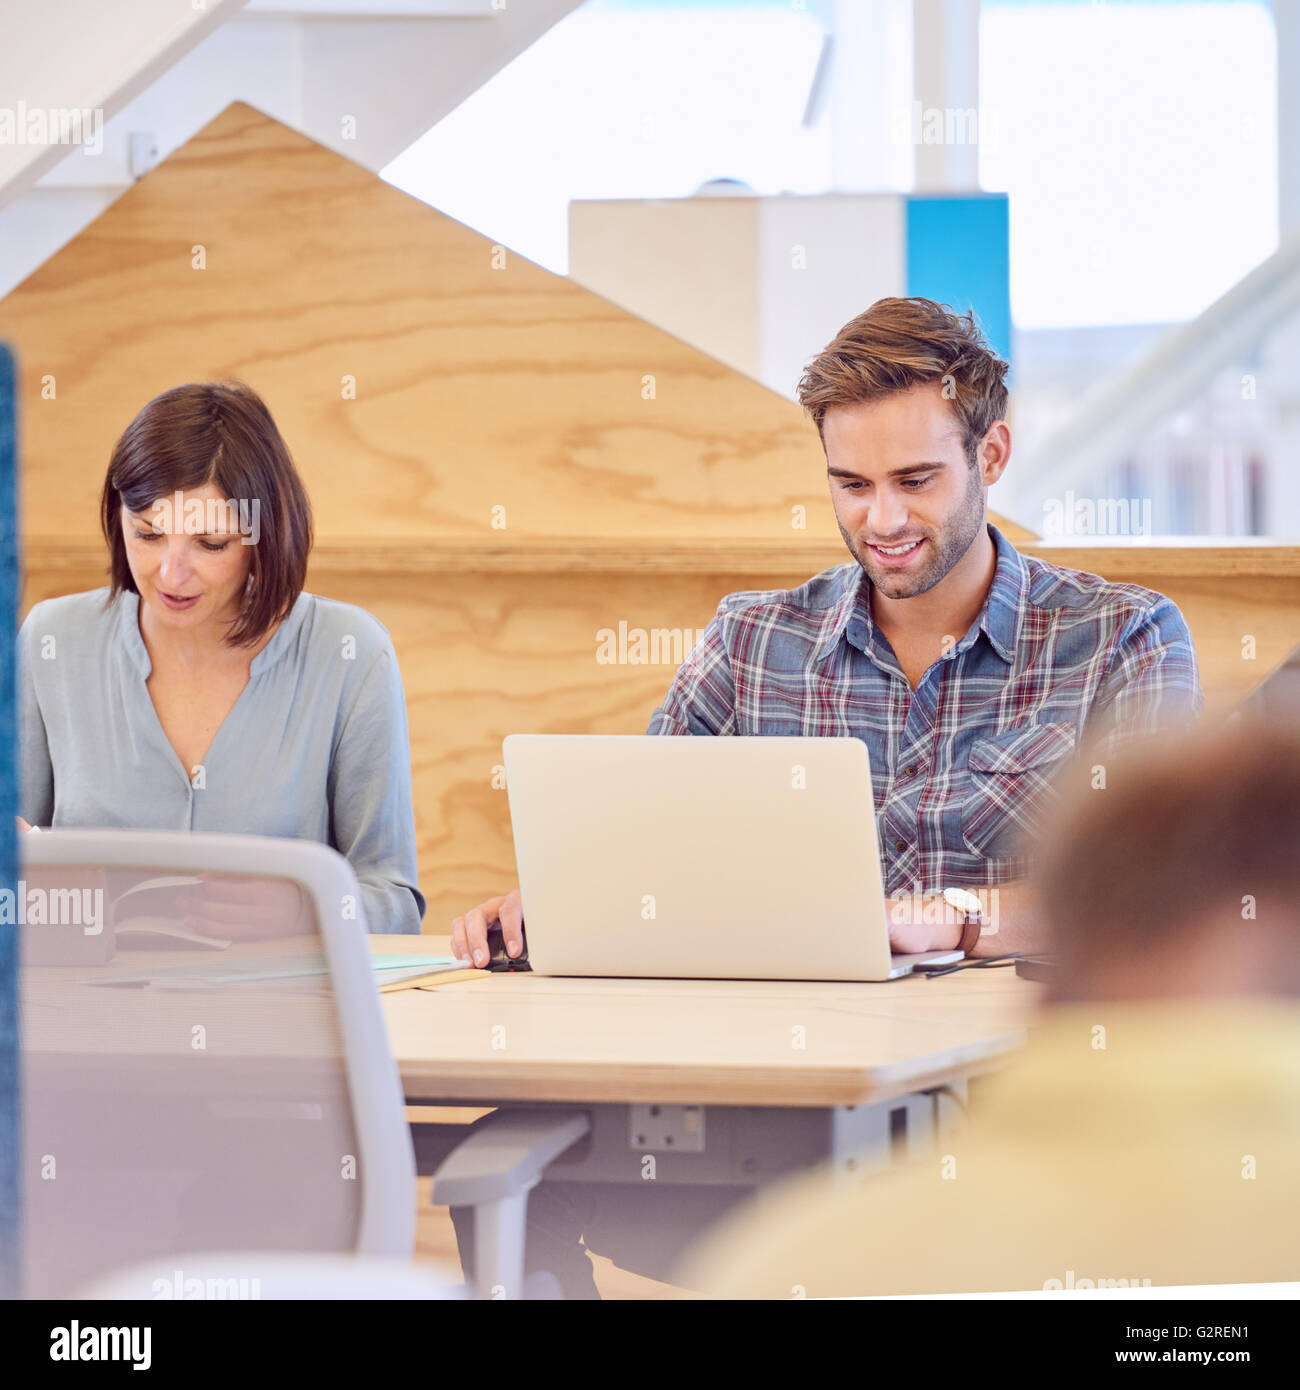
x=182, y=1096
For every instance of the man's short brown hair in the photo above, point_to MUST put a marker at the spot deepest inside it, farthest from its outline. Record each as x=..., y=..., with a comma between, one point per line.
x=901, y=343
x=219, y=433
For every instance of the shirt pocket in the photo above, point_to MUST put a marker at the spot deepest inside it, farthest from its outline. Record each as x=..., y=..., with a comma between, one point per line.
x=1012, y=777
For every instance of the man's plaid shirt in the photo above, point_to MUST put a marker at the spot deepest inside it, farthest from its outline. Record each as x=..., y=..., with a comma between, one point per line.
x=961, y=767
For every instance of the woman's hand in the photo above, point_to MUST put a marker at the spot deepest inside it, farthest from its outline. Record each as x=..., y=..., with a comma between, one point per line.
x=244, y=909
x=23, y=827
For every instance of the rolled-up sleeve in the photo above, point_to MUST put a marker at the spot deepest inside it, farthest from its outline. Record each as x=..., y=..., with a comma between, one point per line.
x=1151, y=684
x=372, y=820
x=702, y=697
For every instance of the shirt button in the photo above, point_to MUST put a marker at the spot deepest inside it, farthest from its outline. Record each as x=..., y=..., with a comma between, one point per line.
x=911, y=769
x=900, y=844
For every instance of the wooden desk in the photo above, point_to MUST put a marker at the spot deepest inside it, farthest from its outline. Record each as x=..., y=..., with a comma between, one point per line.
x=733, y=1083
x=705, y=1083
x=520, y=1037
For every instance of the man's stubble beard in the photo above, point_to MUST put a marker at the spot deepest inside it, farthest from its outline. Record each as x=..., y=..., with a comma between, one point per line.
x=953, y=541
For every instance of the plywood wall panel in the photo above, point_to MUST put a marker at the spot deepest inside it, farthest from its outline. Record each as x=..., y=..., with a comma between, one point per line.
x=487, y=654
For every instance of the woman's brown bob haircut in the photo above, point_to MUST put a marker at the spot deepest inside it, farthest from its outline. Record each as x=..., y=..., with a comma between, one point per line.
x=220, y=433
x=901, y=343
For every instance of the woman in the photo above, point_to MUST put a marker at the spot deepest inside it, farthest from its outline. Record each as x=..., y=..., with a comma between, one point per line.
x=204, y=689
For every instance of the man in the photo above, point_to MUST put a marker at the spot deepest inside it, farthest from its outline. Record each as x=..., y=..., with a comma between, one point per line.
x=1150, y=1133
x=972, y=673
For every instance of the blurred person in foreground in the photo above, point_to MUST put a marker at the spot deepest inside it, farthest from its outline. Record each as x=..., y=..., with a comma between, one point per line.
x=1150, y=1131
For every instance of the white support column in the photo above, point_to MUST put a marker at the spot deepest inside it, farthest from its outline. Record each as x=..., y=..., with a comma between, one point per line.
x=870, y=96
x=945, y=47
x=1286, y=21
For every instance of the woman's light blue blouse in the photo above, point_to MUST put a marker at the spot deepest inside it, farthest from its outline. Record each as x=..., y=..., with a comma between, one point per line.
x=315, y=748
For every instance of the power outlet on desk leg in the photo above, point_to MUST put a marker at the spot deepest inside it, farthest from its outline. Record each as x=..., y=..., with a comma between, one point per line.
x=655, y=1128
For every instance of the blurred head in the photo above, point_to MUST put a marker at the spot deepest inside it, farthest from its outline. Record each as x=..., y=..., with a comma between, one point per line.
x=909, y=402
x=204, y=513
x=1181, y=877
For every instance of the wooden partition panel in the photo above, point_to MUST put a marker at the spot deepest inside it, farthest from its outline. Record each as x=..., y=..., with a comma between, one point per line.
x=491, y=651
x=501, y=463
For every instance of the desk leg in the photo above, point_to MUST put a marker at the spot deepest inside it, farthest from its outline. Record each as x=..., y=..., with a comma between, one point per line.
x=861, y=1138
x=919, y=1127
x=868, y=1138
x=950, y=1110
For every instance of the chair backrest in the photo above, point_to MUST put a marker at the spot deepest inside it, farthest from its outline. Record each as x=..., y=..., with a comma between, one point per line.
x=182, y=1095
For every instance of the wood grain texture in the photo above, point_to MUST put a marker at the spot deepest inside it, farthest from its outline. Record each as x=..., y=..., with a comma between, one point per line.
x=484, y=654
x=482, y=381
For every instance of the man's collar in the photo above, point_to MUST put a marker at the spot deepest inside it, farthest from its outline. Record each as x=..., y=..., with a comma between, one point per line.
x=1005, y=604
x=999, y=620
x=850, y=614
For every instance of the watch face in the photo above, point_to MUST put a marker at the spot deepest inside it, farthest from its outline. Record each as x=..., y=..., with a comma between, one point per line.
x=963, y=900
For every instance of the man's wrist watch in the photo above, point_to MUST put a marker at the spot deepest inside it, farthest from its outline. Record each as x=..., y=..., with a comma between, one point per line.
x=962, y=900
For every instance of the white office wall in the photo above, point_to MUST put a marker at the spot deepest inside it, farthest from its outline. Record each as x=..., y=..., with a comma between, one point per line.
x=85, y=55
x=391, y=75
x=257, y=61
x=821, y=262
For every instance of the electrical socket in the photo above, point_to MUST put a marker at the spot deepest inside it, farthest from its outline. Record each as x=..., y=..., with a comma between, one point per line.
x=660, y=1128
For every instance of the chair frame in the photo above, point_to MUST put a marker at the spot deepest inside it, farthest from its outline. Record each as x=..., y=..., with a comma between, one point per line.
x=387, y=1155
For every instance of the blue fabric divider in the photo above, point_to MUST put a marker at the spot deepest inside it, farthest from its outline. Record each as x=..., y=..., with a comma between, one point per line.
x=958, y=254
x=10, y=1147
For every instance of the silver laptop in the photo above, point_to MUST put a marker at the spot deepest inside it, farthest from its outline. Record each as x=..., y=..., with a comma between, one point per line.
x=700, y=858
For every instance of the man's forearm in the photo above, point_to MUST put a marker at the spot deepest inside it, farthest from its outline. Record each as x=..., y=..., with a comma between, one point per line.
x=1012, y=920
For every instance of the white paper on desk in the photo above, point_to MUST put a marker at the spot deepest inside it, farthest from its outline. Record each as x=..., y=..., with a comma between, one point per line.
x=221, y=974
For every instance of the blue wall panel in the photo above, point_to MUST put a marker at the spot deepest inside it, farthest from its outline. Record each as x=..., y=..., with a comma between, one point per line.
x=9, y=1146
x=957, y=254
